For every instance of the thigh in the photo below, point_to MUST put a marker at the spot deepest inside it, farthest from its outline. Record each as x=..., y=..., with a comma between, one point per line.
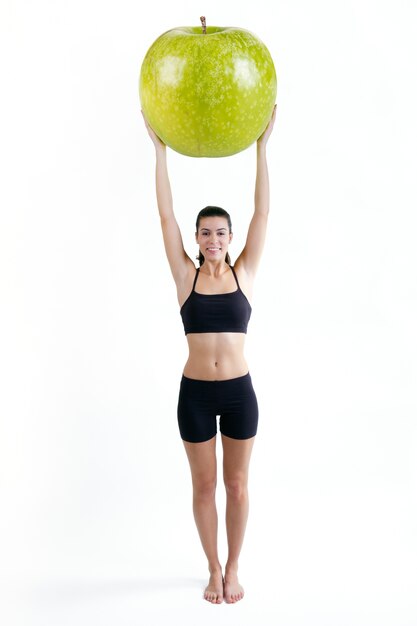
x=202, y=460
x=236, y=458
x=239, y=415
x=196, y=411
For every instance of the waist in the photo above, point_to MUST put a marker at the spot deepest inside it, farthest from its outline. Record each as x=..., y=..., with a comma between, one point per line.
x=216, y=356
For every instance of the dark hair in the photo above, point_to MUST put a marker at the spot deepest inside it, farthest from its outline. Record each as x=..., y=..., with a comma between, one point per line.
x=213, y=211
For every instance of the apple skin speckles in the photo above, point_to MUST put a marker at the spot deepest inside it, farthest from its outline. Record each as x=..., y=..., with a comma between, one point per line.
x=208, y=95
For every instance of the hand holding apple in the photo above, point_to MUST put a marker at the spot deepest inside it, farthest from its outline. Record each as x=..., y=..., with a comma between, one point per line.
x=268, y=130
x=158, y=143
x=208, y=92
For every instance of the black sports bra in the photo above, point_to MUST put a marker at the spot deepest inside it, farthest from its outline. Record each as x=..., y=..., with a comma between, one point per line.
x=216, y=313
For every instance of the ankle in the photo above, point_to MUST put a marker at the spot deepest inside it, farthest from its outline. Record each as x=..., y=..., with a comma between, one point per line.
x=231, y=567
x=215, y=568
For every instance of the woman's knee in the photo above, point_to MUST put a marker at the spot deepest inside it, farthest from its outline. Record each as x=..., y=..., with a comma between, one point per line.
x=204, y=488
x=236, y=486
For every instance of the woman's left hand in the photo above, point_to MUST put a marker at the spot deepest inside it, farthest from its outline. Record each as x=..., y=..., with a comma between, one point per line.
x=268, y=130
x=157, y=141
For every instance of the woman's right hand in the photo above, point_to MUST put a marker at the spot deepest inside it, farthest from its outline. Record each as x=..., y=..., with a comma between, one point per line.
x=158, y=143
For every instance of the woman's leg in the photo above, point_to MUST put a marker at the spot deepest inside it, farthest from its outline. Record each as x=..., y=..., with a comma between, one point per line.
x=236, y=457
x=203, y=465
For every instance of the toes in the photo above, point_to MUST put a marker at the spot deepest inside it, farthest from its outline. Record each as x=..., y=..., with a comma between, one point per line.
x=234, y=597
x=214, y=598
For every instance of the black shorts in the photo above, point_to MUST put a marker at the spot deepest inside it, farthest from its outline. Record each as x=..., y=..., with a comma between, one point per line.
x=201, y=401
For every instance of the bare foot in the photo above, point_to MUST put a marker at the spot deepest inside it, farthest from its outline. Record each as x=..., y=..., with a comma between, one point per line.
x=233, y=591
x=214, y=591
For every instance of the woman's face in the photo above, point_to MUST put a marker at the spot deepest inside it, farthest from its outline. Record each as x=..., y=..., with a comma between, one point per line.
x=213, y=237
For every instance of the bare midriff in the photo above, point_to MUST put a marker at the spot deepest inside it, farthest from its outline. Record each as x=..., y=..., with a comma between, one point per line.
x=215, y=356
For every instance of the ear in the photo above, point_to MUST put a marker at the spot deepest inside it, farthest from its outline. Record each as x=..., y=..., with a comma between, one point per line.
x=196, y=237
x=230, y=237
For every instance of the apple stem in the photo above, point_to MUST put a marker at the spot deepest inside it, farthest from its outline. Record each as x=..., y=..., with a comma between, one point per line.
x=203, y=24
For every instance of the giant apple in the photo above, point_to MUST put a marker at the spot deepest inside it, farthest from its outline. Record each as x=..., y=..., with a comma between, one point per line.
x=208, y=91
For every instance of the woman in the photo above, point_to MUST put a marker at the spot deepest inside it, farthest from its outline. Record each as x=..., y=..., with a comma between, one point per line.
x=215, y=309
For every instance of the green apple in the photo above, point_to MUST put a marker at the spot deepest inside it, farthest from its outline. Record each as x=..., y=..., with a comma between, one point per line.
x=208, y=92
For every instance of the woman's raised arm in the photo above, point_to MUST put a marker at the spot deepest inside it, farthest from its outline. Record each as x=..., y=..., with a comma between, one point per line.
x=178, y=259
x=251, y=253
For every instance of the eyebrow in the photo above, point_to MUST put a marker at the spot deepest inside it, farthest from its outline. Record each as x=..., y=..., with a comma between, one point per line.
x=218, y=229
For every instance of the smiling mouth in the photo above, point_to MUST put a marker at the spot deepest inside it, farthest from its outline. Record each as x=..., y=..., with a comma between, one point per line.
x=213, y=249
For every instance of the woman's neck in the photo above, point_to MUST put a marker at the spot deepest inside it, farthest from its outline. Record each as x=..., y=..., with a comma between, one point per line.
x=214, y=268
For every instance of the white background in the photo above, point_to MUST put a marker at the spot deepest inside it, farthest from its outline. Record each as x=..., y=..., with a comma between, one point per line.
x=96, y=524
